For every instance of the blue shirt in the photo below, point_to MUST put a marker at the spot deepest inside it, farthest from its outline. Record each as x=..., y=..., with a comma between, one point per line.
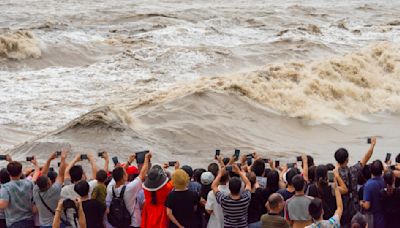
x=372, y=194
x=194, y=186
x=18, y=193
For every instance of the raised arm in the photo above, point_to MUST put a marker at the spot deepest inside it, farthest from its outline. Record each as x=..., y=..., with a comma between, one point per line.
x=57, y=215
x=106, y=161
x=215, y=183
x=81, y=214
x=63, y=166
x=368, y=155
x=242, y=175
x=46, y=166
x=338, y=196
x=305, y=166
x=92, y=161
x=145, y=167
x=37, y=169
x=70, y=165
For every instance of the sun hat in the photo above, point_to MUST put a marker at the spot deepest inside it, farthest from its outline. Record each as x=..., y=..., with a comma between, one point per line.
x=207, y=178
x=156, y=179
x=180, y=179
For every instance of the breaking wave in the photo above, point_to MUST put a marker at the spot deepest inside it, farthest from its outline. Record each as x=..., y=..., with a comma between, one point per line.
x=19, y=45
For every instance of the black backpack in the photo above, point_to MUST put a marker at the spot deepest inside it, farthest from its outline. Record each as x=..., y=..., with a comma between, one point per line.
x=119, y=216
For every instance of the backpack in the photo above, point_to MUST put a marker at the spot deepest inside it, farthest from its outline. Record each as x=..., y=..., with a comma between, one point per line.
x=348, y=204
x=119, y=216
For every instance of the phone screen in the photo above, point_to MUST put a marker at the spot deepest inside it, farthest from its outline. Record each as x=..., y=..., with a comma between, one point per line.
x=369, y=140
x=330, y=176
x=290, y=165
x=84, y=156
x=228, y=168
x=140, y=156
x=58, y=153
x=388, y=155
x=115, y=160
x=299, y=159
x=217, y=153
x=249, y=160
x=171, y=163
x=276, y=163
x=237, y=153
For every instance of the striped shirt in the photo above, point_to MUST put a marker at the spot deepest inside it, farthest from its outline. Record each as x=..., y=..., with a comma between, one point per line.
x=235, y=211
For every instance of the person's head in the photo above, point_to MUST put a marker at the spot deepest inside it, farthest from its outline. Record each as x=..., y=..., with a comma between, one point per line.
x=377, y=168
x=364, y=175
x=342, y=156
x=234, y=185
x=321, y=174
x=315, y=209
x=44, y=183
x=14, y=168
x=389, y=177
x=258, y=167
x=252, y=178
x=224, y=178
x=330, y=166
x=311, y=173
x=290, y=174
x=82, y=188
x=213, y=168
x=119, y=175
x=275, y=203
x=180, y=179
x=76, y=173
x=298, y=183
x=188, y=170
x=207, y=178
x=273, y=181
x=197, y=174
x=359, y=221
x=4, y=176
x=52, y=175
x=101, y=176
x=398, y=158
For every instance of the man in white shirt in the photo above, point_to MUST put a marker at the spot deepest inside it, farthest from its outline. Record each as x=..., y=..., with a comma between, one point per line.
x=215, y=209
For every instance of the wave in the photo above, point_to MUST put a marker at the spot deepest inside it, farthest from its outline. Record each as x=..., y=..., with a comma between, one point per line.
x=19, y=45
x=326, y=91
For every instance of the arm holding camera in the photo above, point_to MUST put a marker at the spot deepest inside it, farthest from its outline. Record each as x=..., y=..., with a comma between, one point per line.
x=368, y=155
x=130, y=160
x=215, y=183
x=338, y=196
x=92, y=162
x=63, y=166
x=145, y=167
x=305, y=166
x=106, y=161
x=37, y=169
x=70, y=165
x=46, y=166
x=81, y=213
x=242, y=175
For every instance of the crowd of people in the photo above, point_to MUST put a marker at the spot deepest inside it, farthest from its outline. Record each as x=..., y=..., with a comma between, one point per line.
x=239, y=191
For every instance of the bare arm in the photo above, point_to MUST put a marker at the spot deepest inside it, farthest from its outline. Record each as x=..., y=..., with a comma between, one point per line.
x=106, y=161
x=305, y=166
x=368, y=155
x=70, y=165
x=81, y=214
x=46, y=166
x=92, y=161
x=63, y=165
x=215, y=183
x=172, y=218
x=57, y=215
x=145, y=167
x=242, y=175
x=37, y=170
x=341, y=185
x=339, y=203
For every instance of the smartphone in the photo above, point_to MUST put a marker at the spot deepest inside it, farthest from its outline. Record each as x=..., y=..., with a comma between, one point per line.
x=3, y=157
x=393, y=167
x=58, y=164
x=140, y=156
x=330, y=176
x=388, y=155
x=171, y=163
x=28, y=159
x=58, y=153
x=290, y=165
x=228, y=168
x=369, y=140
x=237, y=153
x=276, y=163
x=249, y=160
x=100, y=154
x=84, y=156
x=217, y=153
x=115, y=160
x=299, y=158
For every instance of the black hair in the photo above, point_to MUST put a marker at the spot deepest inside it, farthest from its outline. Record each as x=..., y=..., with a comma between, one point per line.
x=118, y=174
x=258, y=167
x=377, y=168
x=4, y=176
x=197, y=174
x=101, y=175
x=341, y=155
x=330, y=166
x=82, y=188
x=298, y=183
x=388, y=176
x=108, y=180
x=398, y=158
x=310, y=161
x=234, y=185
x=213, y=168
x=311, y=174
x=225, y=161
x=188, y=170
x=52, y=175
x=14, y=168
x=251, y=176
x=224, y=178
x=290, y=174
x=364, y=175
x=273, y=181
x=315, y=208
x=359, y=221
x=42, y=183
x=76, y=173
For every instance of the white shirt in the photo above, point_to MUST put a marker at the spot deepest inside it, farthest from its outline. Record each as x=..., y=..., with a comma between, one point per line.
x=68, y=192
x=217, y=217
x=131, y=191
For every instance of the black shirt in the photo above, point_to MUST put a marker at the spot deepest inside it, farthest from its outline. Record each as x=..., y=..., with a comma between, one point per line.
x=183, y=204
x=255, y=207
x=94, y=213
x=390, y=203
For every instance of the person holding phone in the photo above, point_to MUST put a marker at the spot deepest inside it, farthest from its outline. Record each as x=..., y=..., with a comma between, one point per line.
x=234, y=205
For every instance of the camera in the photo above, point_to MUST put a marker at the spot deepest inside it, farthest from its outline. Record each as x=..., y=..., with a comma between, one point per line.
x=30, y=158
x=171, y=163
x=84, y=157
x=100, y=154
x=140, y=156
x=3, y=157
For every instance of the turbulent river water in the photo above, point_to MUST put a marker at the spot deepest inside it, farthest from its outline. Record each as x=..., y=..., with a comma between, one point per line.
x=186, y=77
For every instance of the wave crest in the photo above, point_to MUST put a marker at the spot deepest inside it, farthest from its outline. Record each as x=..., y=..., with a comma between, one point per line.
x=19, y=45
